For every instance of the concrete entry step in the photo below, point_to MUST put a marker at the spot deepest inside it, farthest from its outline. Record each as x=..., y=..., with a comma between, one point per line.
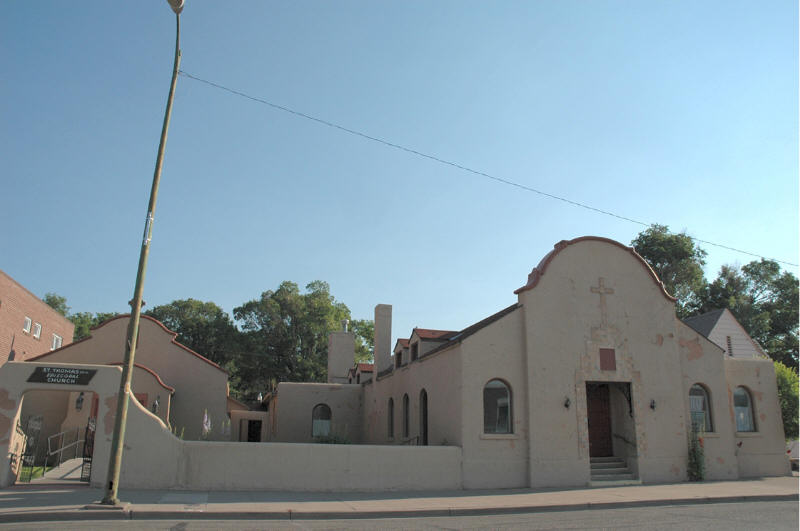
x=609, y=464
x=611, y=477
x=605, y=459
x=610, y=471
x=614, y=482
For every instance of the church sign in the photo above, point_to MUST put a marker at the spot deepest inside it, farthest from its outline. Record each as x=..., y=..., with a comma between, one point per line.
x=62, y=375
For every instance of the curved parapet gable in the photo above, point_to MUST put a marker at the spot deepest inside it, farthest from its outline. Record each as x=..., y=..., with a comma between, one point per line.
x=538, y=271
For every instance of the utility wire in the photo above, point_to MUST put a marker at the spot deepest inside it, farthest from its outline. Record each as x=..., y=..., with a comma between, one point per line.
x=455, y=164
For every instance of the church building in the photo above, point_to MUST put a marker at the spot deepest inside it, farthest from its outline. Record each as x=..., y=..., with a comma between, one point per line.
x=588, y=377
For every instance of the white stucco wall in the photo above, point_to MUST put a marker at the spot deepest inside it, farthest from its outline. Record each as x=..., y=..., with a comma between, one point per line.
x=564, y=330
x=440, y=376
x=702, y=363
x=293, y=404
x=762, y=452
x=495, y=352
x=199, y=385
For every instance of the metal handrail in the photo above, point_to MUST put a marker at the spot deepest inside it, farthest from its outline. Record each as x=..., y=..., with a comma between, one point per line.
x=61, y=446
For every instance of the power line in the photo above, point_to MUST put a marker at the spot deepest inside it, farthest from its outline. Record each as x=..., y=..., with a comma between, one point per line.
x=455, y=164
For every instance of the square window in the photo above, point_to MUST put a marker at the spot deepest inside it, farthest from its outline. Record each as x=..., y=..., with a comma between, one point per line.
x=26, y=326
x=37, y=330
x=608, y=361
x=57, y=340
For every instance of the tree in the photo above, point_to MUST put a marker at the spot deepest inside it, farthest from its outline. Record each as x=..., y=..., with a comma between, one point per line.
x=56, y=302
x=85, y=321
x=364, y=331
x=677, y=261
x=765, y=301
x=202, y=326
x=286, y=334
x=787, y=397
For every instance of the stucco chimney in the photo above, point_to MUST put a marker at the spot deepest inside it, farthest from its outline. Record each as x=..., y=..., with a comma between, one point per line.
x=341, y=356
x=383, y=337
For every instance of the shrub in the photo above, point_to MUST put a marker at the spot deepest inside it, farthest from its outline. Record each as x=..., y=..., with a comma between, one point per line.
x=696, y=468
x=787, y=381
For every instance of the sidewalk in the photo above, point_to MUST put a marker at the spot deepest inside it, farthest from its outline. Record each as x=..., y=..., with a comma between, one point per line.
x=43, y=502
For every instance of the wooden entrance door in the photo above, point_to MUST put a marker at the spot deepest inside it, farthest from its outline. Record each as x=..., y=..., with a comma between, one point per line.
x=599, y=417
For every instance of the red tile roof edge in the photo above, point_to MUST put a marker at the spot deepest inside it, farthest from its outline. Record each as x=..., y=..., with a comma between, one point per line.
x=539, y=270
x=126, y=315
x=151, y=371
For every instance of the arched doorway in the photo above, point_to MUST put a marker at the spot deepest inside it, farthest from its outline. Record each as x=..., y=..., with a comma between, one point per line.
x=423, y=418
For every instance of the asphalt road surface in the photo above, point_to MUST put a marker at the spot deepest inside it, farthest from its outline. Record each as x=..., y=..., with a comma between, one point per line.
x=722, y=516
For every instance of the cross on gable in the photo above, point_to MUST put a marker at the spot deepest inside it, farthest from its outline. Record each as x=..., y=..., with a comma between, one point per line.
x=602, y=290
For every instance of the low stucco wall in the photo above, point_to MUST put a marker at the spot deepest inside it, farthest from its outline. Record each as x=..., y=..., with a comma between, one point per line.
x=156, y=459
x=317, y=467
x=294, y=403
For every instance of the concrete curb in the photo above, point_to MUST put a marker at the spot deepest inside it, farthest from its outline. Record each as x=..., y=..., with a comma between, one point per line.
x=171, y=514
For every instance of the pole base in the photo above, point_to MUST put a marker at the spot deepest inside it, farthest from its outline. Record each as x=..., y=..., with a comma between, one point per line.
x=109, y=503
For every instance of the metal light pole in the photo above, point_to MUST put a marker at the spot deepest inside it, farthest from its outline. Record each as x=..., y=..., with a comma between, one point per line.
x=118, y=439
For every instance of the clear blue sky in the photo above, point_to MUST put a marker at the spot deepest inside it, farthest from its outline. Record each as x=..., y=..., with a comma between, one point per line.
x=683, y=113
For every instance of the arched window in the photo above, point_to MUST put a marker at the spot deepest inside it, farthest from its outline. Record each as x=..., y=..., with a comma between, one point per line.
x=743, y=410
x=405, y=416
x=321, y=421
x=423, y=418
x=390, y=418
x=497, y=408
x=700, y=408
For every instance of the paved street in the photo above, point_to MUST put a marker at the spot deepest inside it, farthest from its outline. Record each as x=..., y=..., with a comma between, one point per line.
x=722, y=516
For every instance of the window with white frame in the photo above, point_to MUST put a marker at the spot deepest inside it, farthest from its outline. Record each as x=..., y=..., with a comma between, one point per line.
x=700, y=407
x=496, y=407
x=37, y=330
x=56, y=342
x=26, y=325
x=743, y=410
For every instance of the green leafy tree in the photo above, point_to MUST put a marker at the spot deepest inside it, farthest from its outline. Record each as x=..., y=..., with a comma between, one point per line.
x=85, y=321
x=202, y=326
x=56, y=302
x=286, y=334
x=678, y=262
x=364, y=331
x=764, y=300
x=788, y=398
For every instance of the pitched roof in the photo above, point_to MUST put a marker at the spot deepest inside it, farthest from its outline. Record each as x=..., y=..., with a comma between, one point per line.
x=365, y=367
x=457, y=337
x=428, y=333
x=704, y=324
x=403, y=342
x=142, y=317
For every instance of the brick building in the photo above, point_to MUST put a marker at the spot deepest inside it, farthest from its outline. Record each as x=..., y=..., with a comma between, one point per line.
x=28, y=326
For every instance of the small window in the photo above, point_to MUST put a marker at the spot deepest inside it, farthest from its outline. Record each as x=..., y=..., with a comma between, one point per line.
x=56, y=342
x=26, y=325
x=405, y=416
x=700, y=408
x=37, y=330
x=321, y=421
x=608, y=360
x=730, y=345
x=496, y=408
x=398, y=359
x=743, y=409
x=390, y=418
x=414, y=351
x=358, y=378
